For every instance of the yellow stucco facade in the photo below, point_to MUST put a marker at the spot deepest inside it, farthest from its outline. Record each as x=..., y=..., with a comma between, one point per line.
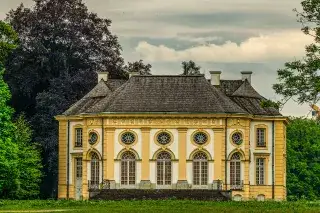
x=239, y=175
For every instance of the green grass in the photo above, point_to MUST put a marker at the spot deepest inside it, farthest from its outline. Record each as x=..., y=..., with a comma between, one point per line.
x=149, y=206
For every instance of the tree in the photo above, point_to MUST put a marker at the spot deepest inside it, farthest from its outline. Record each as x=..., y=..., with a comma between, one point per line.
x=9, y=173
x=300, y=79
x=8, y=41
x=190, y=68
x=61, y=43
x=138, y=66
x=303, y=158
x=29, y=161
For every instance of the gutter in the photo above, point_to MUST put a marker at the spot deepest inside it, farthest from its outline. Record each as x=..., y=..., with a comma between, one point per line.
x=225, y=151
x=68, y=159
x=102, y=152
x=272, y=155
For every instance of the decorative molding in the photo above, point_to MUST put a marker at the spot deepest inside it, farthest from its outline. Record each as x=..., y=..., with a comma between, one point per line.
x=200, y=149
x=237, y=122
x=163, y=146
x=164, y=149
x=94, y=122
x=120, y=121
x=200, y=146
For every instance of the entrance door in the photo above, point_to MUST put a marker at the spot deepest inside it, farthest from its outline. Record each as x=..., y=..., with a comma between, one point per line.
x=78, y=178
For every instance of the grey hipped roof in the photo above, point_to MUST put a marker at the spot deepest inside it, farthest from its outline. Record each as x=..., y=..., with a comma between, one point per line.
x=171, y=94
x=101, y=90
x=192, y=94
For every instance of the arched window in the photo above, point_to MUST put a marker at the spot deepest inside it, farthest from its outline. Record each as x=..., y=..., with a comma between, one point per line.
x=94, y=169
x=164, y=168
x=200, y=169
x=235, y=171
x=128, y=168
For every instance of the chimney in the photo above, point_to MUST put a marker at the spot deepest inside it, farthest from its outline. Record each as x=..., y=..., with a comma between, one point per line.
x=103, y=75
x=133, y=73
x=215, y=78
x=246, y=75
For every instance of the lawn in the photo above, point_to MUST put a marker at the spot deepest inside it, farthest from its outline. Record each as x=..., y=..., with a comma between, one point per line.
x=149, y=206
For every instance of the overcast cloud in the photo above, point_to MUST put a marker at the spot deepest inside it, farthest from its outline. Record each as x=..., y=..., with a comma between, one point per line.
x=226, y=35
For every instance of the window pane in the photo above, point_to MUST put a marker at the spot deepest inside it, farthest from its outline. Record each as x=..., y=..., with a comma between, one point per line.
x=78, y=167
x=196, y=173
x=94, y=169
x=260, y=171
x=235, y=170
x=167, y=173
x=128, y=169
x=261, y=137
x=78, y=139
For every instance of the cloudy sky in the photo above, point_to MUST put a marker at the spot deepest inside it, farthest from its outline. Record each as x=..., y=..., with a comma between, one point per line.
x=226, y=35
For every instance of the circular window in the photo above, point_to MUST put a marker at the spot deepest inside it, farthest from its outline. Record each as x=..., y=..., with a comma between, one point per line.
x=237, y=138
x=128, y=138
x=93, y=138
x=200, y=138
x=163, y=138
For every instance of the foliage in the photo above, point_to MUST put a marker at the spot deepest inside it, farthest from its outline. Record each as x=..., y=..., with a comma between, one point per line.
x=138, y=66
x=303, y=159
x=29, y=161
x=190, y=68
x=300, y=78
x=270, y=103
x=8, y=41
x=160, y=206
x=62, y=44
x=9, y=173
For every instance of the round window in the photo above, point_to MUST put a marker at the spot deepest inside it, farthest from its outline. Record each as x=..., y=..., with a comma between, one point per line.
x=200, y=138
x=237, y=138
x=128, y=138
x=163, y=138
x=93, y=138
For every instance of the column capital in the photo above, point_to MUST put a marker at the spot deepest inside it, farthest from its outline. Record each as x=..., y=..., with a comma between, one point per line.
x=110, y=129
x=182, y=129
x=145, y=129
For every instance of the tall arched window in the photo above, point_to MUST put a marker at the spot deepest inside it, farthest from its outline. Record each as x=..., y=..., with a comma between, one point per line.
x=235, y=171
x=200, y=169
x=128, y=168
x=94, y=169
x=164, y=168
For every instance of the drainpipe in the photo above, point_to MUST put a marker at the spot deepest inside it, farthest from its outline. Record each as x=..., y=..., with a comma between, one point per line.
x=68, y=159
x=225, y=151
x=102, y=152
x=272, y=155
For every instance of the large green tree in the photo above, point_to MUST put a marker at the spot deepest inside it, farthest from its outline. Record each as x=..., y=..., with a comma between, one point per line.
x=190, y=68
x=29, y=161
x=19, y=158
x=300, y=79
x=9, y=173
x=62, y=46
x=303, y=159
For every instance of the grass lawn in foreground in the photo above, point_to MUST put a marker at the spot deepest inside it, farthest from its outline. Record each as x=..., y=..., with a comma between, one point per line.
x=149, y=206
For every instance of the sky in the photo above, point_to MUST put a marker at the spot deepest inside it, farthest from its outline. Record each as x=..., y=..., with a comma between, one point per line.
x=226, y=35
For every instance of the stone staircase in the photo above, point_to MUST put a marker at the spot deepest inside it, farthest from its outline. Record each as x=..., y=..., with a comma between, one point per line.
x=156, y=194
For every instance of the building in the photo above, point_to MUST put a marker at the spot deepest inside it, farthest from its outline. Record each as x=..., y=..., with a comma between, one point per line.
x=173, y=132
